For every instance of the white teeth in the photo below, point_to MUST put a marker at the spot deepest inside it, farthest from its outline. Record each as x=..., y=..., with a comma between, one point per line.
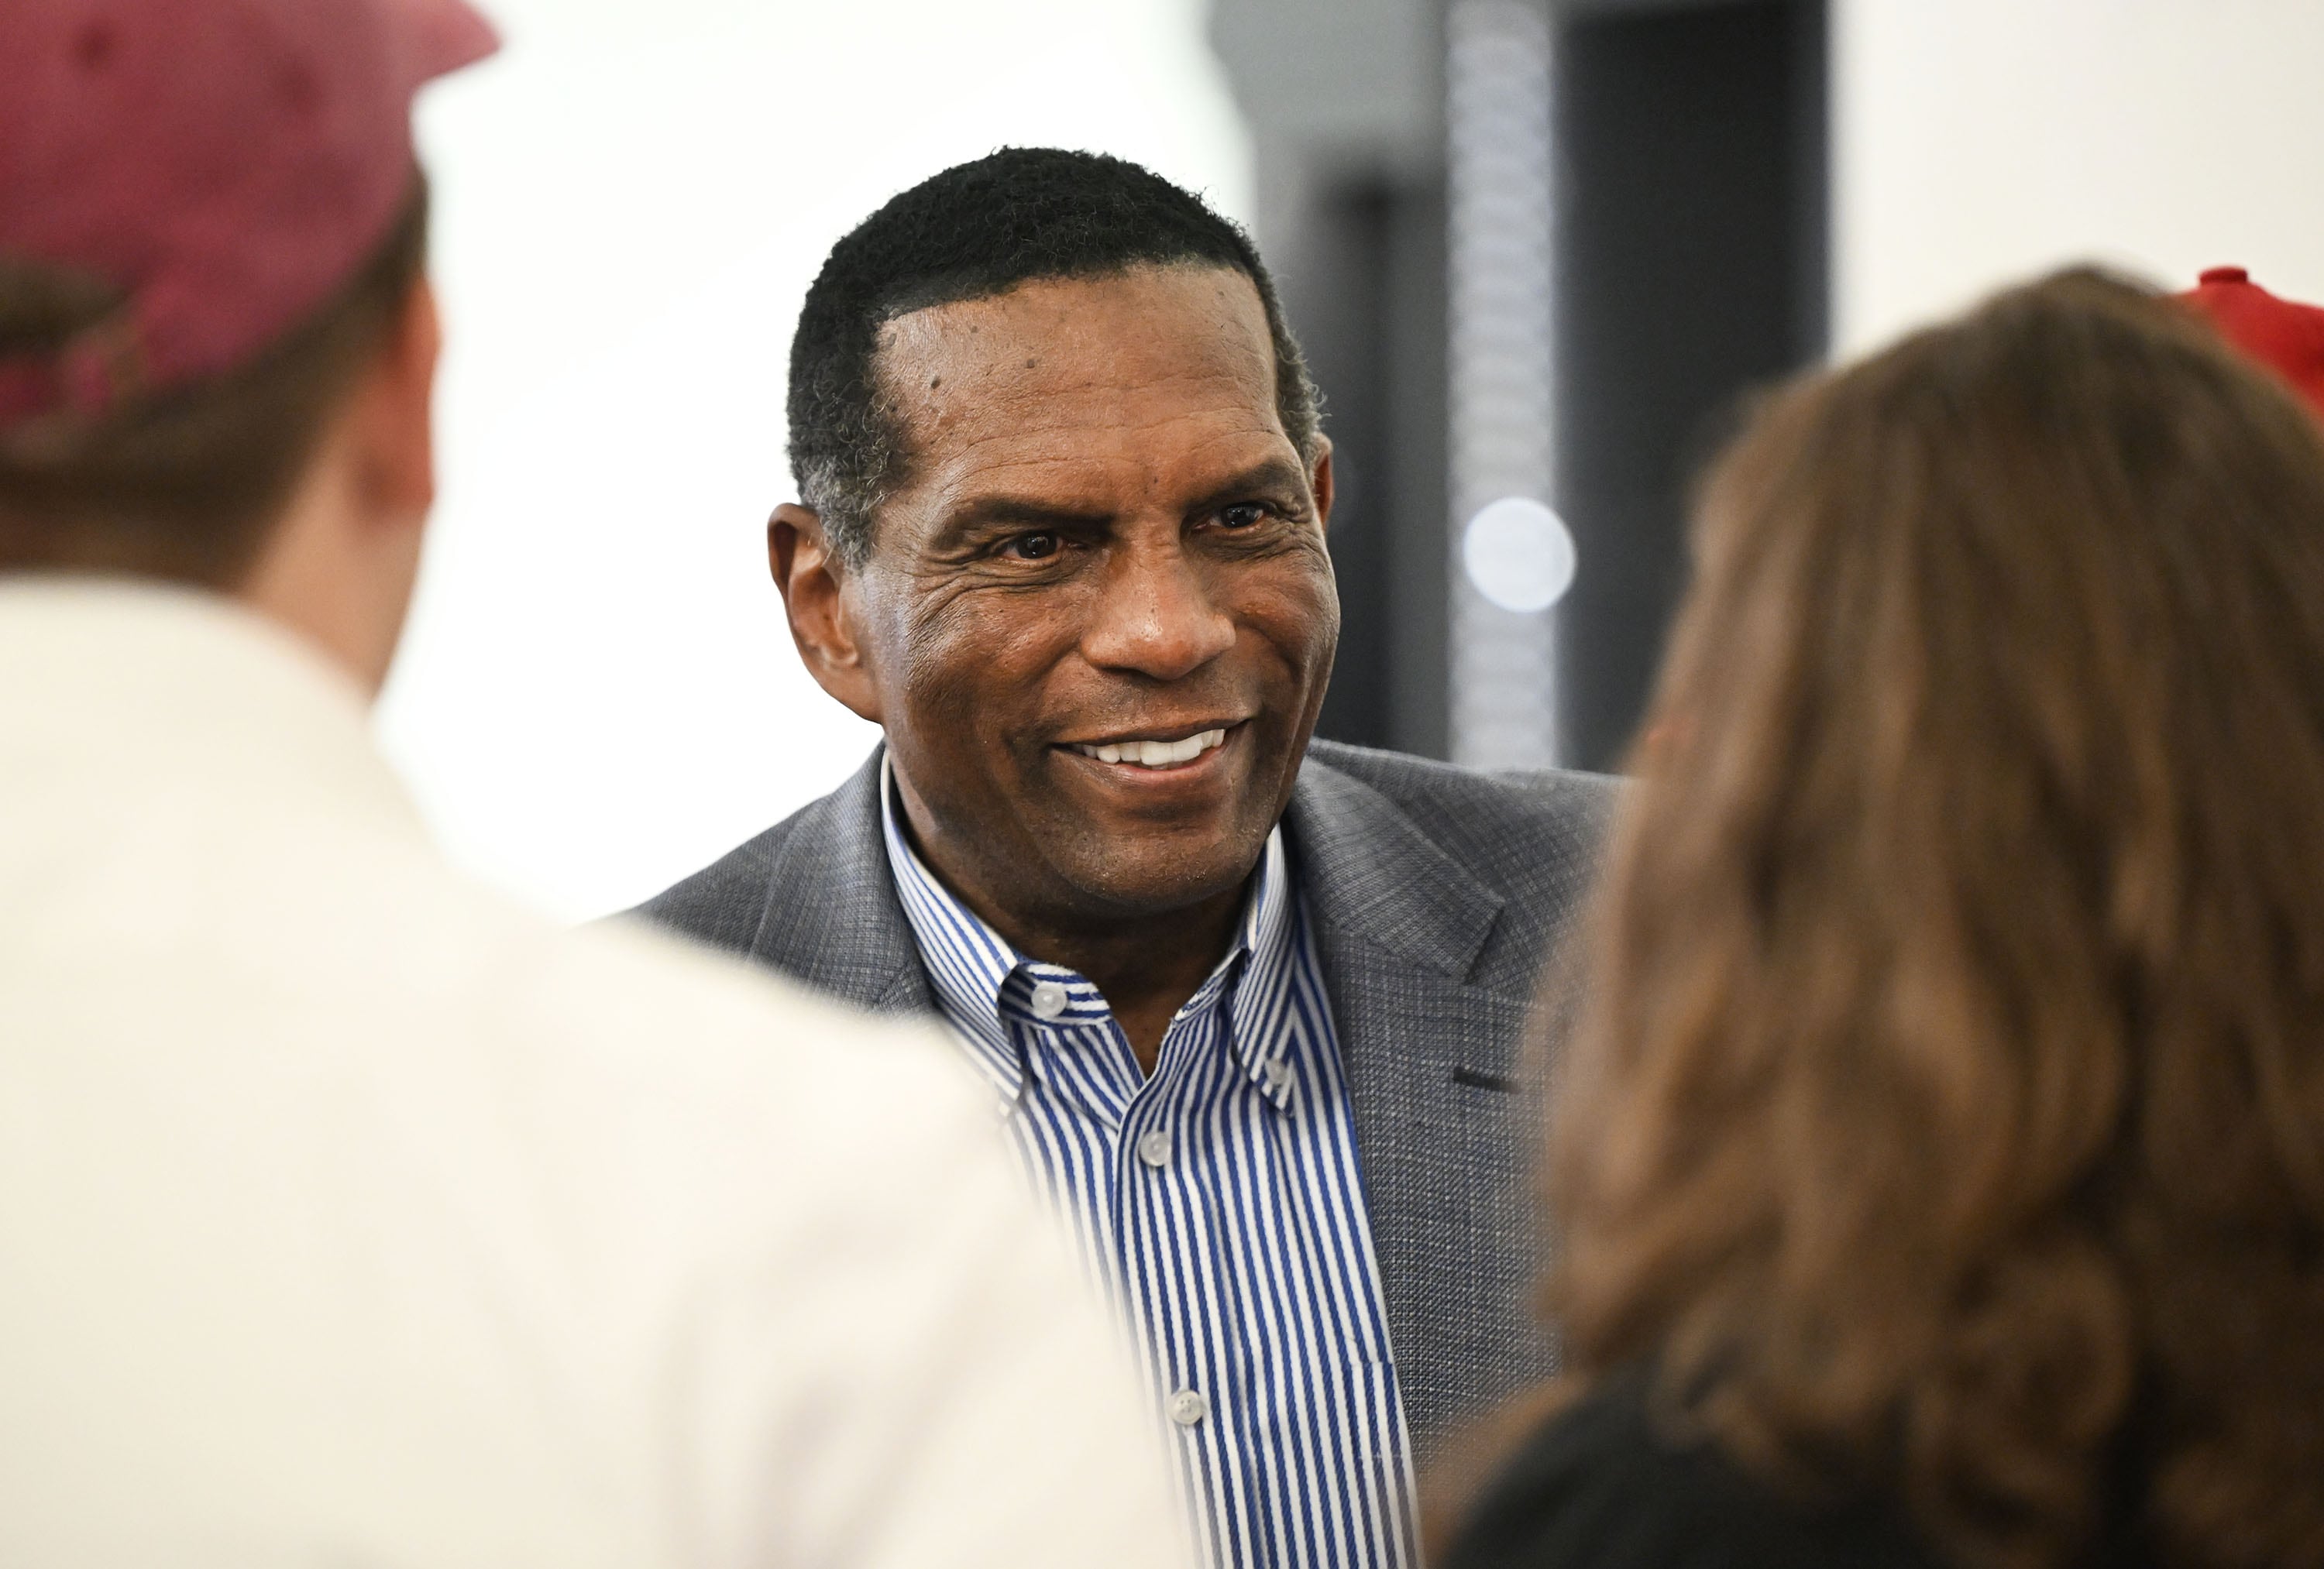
x=1155, y=754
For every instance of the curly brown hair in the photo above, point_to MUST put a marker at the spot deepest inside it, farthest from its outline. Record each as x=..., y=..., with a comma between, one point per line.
x=1946, y=1114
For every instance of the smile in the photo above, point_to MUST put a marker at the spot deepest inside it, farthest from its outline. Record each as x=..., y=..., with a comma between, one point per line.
x=1143, y=754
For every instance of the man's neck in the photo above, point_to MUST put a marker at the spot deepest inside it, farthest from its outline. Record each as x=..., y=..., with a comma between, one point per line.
x=1147, y=968
x=1146, y=965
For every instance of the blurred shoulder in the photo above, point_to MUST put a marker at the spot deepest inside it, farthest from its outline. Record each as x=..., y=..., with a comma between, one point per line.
x=751, y=1049
x=807, y=1216
x=623, y=1054
x=1601, y=1485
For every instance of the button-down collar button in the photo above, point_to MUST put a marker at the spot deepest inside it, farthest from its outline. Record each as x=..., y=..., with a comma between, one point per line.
x=1279, y=1075
x=1049, y=1000
x=1188, y=1407
x=1153, y=1149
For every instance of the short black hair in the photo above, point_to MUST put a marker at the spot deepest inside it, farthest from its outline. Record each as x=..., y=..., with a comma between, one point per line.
x=976, y=230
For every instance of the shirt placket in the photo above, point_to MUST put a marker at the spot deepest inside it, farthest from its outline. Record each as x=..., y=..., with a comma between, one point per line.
x=1168, y=1239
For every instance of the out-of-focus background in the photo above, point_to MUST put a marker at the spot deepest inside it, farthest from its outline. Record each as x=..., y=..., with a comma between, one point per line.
x=1537, y=250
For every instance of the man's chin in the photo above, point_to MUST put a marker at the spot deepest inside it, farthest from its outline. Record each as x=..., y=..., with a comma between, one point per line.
x=1146, y=841
x=1142, y=875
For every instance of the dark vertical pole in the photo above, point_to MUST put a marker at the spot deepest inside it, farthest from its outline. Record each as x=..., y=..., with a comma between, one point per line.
x=1340, y=309
x=1415, y=641
x=1368, y=307
x=1691, y=268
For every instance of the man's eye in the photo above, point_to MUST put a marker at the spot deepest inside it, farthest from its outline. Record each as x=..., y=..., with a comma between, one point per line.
x=1031, y=546
x=1244, y=514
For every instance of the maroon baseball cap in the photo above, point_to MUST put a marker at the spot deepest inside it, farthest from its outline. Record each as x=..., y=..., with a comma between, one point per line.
x=228, y=164
x=2284, y=335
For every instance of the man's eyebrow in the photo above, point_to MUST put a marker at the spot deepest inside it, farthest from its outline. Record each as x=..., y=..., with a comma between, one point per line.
x=1274, y=474
x=979, y=513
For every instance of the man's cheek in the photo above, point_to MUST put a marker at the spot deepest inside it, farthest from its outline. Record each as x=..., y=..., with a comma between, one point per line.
x=949, y=663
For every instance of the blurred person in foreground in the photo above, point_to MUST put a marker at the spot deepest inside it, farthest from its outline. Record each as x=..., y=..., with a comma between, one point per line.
x=348, y=1214
x=1940, y=1165
x=1252, y=1007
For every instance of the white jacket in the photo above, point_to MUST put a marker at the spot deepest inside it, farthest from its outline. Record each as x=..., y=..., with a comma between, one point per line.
x=352, y=1216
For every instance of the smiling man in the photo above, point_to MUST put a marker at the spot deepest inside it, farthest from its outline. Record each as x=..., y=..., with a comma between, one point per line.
x=1252, y=1008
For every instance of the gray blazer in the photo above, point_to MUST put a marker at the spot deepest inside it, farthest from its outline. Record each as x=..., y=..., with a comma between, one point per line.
x=1435, y=894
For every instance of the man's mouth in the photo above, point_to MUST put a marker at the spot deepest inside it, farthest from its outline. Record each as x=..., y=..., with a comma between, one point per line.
x=1154, y=754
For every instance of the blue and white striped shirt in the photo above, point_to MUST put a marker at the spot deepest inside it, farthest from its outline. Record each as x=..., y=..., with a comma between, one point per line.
x=1219, y=1201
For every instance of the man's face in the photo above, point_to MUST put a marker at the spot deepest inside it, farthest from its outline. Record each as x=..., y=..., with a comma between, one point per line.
x=1098, y=617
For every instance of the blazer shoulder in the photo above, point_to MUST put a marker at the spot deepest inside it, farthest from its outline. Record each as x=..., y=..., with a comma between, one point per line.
x=1529, y=844
x=811, y=897
x=814, y=855
x=1488, y=819
x=722, y=904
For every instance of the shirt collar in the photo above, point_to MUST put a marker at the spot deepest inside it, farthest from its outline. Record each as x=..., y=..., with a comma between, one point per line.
x=968, y=962
x=982, y=983
x=1272, y=941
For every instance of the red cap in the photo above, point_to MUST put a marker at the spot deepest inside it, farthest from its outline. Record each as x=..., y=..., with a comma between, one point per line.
x=228, y=164
x=2286, y=336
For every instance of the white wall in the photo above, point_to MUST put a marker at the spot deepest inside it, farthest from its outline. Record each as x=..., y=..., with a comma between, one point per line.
x=598, y=694
x=1979, y=141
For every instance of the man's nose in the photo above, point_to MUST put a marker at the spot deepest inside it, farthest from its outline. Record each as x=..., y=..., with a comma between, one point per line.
x=1156, y=616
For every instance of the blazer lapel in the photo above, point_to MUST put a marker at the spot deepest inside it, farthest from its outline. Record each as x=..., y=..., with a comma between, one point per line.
x=832, y=917
x=1445, y=1135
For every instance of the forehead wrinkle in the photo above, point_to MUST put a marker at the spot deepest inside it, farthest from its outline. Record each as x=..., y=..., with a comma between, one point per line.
x=1097, y=395
x=1120, y=456
x=1098, y=420
x=1095, y=398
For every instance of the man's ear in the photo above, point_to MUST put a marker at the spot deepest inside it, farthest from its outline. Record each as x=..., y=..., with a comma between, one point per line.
x=1319, y=480
x=395, y=456
x=818, y=599
x=339, y=565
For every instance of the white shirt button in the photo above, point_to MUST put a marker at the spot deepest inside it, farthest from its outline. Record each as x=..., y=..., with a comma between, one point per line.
x=1049, y=1000
x=1153, y=1149
x=1278, y=1074
x=1188, y=1407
